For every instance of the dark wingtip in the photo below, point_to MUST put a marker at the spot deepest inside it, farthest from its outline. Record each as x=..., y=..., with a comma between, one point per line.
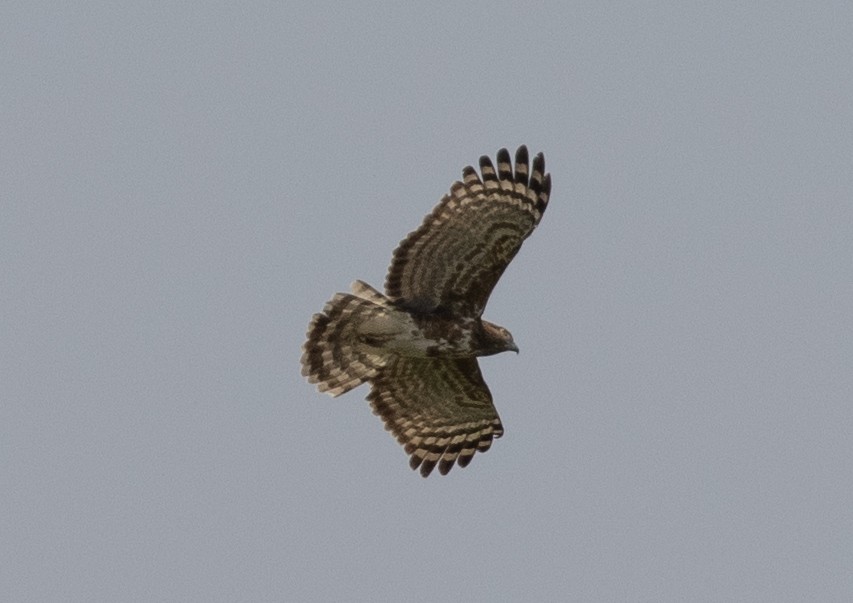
x=427, y=467
x=470, y=175
x=487, y=168
x=539, y=162
x=504, y=165
x=465, y=458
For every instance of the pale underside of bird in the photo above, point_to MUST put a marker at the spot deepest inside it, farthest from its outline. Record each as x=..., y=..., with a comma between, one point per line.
x=417, y=344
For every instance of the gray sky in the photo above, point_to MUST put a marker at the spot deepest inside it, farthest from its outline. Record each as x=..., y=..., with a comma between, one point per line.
x=182, y=186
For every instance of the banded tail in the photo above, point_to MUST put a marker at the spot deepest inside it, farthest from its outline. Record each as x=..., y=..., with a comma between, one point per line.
x=335, y=357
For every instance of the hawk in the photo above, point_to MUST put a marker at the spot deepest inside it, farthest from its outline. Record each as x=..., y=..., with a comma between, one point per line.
x=417, y=345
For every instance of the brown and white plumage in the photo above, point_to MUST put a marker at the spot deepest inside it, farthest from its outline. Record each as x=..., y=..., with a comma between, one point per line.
x=448, y=418
x=417, y=345
x=453, y=261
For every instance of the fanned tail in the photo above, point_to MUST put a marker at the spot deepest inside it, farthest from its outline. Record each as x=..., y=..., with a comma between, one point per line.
x=334, y=357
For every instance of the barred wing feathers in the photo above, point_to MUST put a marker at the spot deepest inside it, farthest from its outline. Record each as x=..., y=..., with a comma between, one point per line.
x=451, y=263
x=439, y=409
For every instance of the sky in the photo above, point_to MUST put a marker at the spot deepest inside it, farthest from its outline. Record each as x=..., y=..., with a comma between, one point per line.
x=182, y=185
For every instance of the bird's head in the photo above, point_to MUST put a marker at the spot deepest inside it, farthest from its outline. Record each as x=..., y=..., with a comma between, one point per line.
x=497, y=339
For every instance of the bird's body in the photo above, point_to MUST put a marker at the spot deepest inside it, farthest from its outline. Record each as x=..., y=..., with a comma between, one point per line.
x=417, y=344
